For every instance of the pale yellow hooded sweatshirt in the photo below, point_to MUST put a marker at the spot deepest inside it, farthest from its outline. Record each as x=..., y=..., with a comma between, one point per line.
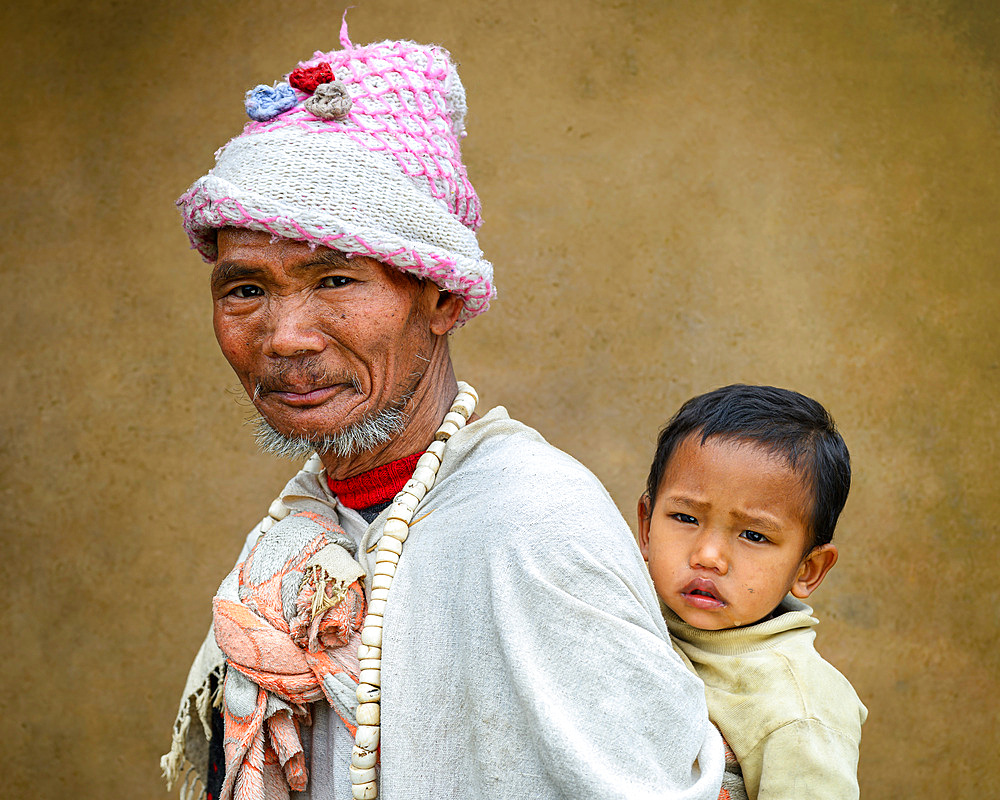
x=792, y=720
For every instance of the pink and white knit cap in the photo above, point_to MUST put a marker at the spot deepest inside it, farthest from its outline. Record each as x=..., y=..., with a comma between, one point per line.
x=385, y=180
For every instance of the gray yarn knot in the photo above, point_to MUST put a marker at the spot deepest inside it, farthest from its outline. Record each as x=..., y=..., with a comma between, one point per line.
x=329, y=101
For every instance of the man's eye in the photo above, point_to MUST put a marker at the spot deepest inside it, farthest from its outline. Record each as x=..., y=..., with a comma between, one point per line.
x=687, y=519
x=753, y=536
x=245, y=292
x=334, y=281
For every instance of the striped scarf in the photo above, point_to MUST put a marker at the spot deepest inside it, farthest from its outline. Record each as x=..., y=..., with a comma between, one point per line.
x=288, y=620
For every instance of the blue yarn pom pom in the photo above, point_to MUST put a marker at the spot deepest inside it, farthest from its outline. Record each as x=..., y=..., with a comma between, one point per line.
x=266, y=102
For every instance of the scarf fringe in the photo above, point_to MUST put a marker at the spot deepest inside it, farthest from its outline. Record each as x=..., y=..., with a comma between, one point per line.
x=192, y=786
x=177, y=769
x=321, y=601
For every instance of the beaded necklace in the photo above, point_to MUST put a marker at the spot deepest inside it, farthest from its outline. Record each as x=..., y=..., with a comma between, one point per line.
x=364, y=780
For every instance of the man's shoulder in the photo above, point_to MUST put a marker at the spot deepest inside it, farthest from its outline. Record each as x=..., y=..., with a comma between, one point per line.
x=499, y=442
x=506, y=476
x=515, y=463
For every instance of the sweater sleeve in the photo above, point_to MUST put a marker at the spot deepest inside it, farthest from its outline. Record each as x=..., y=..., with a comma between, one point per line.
x=806, y=758
x=613, y=711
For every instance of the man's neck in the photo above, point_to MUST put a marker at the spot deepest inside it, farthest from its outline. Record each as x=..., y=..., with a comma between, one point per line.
x=376, y=487
x=425, y=409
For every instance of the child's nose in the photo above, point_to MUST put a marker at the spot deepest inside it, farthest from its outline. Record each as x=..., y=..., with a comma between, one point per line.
x=710, y=553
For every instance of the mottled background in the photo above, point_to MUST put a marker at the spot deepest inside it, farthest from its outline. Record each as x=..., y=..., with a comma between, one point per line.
x=677, y=195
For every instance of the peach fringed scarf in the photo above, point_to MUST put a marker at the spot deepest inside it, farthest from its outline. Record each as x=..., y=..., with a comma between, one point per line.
x=288, y=620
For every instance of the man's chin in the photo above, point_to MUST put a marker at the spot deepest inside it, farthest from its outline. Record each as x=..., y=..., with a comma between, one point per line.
x=361, y=437
x=278, y=444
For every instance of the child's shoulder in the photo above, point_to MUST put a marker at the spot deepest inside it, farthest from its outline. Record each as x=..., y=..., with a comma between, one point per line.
x=773, y=667
x=778, y=702
x=821, y=692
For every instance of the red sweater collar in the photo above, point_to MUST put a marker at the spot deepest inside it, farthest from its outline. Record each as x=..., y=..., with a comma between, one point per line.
x=376, y=486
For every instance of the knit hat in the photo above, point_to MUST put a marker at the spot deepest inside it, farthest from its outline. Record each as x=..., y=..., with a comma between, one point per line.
x=356, y=150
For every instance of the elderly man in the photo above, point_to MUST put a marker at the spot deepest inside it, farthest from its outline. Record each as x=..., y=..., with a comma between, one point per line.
x=512, y=644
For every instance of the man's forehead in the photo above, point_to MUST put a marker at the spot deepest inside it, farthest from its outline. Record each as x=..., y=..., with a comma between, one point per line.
x=249, y=248
x=250, y=254
x=245, y=240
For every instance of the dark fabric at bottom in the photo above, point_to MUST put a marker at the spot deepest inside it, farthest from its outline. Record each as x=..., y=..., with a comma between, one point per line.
x=216, y=752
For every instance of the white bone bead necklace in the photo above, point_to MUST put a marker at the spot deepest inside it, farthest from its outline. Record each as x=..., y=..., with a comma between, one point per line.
x=364, y=783
x=278, y=510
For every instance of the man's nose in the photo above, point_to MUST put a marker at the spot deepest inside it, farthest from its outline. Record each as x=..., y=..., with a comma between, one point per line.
x=294, y=329
x=711, y=552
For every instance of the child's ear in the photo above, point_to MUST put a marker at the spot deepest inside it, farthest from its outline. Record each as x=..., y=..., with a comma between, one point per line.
x=643, y=512
x=813, y=569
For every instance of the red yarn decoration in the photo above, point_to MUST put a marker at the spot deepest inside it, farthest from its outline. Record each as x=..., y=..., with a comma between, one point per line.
x=306, y=79
x=379, y=485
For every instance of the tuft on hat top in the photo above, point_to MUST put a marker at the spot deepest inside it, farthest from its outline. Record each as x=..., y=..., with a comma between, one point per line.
x=357, y=151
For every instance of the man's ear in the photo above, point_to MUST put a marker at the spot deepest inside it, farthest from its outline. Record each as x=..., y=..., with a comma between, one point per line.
x=447, y=307
x=813, y=569
x=643, y=512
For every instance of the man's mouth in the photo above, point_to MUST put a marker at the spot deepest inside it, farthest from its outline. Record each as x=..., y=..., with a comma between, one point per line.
x=303, y=385
x=702, y=593
x=302, y=382
x=304, y=397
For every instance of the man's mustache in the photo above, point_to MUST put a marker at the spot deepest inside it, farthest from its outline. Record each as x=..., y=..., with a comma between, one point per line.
x=297, y=372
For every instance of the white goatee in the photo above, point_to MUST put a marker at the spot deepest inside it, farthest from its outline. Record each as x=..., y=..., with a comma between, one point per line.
x=361, y=437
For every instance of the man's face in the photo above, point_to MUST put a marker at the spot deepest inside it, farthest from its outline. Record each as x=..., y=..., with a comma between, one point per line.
x=320, y=342
x=726, y=536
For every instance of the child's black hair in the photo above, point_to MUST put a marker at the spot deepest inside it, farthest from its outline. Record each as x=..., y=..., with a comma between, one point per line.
x=785, y=423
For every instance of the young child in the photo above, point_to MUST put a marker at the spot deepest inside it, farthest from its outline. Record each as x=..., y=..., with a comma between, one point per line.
x=736, y=522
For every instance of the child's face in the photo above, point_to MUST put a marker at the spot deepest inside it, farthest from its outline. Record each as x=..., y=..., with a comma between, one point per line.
x=726, y=535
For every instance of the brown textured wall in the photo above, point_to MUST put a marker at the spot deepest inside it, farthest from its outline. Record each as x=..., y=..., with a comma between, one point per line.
x=677, y=195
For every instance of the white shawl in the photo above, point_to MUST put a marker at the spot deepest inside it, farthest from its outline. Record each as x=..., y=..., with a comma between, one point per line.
x=524, y=654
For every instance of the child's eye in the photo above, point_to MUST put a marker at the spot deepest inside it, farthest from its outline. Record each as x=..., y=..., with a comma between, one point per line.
x=687, y=519
x=334, y=281
x=753, y=536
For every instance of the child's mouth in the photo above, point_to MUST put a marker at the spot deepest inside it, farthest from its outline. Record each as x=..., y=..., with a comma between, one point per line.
x=701, y=593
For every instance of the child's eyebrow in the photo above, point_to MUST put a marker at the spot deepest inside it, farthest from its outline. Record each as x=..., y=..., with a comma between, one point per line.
x=687, y=502
x=762, y=521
